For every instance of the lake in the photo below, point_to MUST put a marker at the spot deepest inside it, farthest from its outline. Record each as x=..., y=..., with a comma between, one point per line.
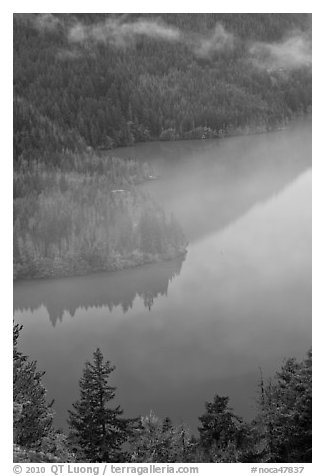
x=181, y=331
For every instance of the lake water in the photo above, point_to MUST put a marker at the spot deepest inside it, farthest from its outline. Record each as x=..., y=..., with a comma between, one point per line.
x=181, y=331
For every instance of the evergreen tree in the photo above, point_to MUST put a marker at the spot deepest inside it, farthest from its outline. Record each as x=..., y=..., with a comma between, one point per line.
x=155, y=441
x=222, y=433
x=285, y=417
x=33, y=416
x=97, y=431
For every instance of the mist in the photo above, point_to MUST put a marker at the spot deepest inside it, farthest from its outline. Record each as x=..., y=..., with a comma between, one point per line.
x=219, y=40
x=46, y=21
x=243, y=203
x=293, y=52
x=122, y=34
x=162, y=189
x=41, y=21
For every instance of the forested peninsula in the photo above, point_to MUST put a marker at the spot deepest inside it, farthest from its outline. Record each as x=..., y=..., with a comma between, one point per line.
x=87, y=219
x=88, y=83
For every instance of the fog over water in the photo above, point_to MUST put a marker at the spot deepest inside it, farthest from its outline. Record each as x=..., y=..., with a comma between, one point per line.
x=181, y=331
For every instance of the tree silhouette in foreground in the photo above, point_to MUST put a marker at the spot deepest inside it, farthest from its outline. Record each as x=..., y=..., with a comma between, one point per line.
x=97, y=431
x=285, y=414
x=32, y=414
x=35, y=439
x=159, y=441
x=224, y=437
x=281, y=431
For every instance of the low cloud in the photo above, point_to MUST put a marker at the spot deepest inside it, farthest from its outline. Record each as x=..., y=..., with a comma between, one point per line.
x=39, y=21
x=219, y=40
x=46, y=21
x=292, y=53
x=122, y=34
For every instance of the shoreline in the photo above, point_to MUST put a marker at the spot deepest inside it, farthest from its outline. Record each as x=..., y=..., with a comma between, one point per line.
x=76, y=269
x=72, y=267
x=238, y=132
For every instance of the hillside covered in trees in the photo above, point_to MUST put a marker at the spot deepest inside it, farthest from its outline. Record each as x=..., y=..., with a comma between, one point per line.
x=72, y=223
x=85, y=83
x=99, y=432
x=106, y=80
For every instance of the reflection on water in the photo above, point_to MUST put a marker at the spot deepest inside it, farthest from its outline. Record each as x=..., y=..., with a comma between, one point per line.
x=209, y=184
x=99, y=290
x=241, y=300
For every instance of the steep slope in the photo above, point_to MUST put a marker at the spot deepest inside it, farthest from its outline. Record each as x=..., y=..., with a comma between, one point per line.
x=110, y=80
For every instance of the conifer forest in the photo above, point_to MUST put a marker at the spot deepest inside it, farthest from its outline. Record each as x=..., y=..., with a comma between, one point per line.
x=162, y=237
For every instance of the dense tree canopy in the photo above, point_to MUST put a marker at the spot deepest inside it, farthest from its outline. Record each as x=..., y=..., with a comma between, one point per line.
x=32, y=413
x=86, y=82
x=68, y=223
x=286, y=413
x=108, y=80
x=35, y=438
x=154, y=440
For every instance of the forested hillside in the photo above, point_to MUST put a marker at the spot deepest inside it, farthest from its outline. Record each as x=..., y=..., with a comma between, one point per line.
x=104, y=80
x=88, y=82
x=93, y=219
